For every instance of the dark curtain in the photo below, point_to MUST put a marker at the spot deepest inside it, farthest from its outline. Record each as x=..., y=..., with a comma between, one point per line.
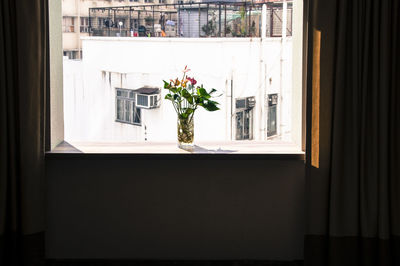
x=353, y=187
x=23, y=62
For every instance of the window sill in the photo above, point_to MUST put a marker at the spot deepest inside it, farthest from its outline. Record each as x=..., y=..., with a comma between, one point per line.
x=169, y=150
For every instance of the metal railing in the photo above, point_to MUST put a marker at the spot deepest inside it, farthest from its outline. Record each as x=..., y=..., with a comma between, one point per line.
x=201, y=19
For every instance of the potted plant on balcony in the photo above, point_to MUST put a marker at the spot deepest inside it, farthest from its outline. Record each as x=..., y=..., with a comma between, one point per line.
x=149, y=20
x=186, y=97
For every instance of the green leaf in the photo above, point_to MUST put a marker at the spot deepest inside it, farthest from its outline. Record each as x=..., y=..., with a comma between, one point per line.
x=199, y=100
x=210, y=106
x=212, y=91
x=166, y=85
x=203, y=93
x=169, y=97
x=186, y=94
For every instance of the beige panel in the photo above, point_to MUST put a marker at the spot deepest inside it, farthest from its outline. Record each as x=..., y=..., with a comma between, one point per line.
x=315, y=99
x=56, y=74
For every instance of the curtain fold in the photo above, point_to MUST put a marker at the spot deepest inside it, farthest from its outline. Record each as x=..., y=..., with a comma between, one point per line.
x=23, y=80
x=353, y=195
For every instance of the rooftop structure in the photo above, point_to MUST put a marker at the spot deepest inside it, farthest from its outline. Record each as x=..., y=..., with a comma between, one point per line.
x=191, y=19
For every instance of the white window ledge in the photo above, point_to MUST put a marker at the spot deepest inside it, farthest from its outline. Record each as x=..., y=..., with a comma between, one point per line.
x=240, y=149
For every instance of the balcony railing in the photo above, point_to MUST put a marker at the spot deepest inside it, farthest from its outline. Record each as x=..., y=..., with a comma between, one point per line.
x=201, y=19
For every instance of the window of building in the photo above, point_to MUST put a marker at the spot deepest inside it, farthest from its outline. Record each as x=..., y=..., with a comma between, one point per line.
x=73, y=54
x=272, y=115
x=84, y=24
x=125, y=107
x=244, y=118
x=68, y=24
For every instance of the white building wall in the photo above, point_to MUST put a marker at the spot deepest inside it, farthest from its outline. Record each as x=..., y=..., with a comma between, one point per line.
x=252, y=65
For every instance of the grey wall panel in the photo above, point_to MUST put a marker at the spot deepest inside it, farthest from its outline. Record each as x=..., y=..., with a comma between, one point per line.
x=175, y=209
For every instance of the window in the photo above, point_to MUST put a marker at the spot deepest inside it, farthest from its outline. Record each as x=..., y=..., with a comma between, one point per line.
x=126, y=110
x=244, y=118
x=256, y=76
x=68, y=24
x=84, y=24
x=272, y=115
x=73, y=54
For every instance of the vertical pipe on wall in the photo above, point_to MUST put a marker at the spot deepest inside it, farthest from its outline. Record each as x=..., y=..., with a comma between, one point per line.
x=282, y=67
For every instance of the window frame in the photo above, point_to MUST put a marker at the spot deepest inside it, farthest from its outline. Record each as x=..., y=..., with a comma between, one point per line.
x=84, y=26
x=291, y=156
x=134, y=110
x=70, y=26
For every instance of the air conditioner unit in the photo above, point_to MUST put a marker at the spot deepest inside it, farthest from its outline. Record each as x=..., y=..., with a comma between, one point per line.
x=251, y=102
x=245, y=103
x=148, y=98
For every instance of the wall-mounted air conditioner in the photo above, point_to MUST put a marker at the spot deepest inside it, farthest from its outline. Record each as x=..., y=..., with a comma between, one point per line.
x=148, y=98
x=245, y=103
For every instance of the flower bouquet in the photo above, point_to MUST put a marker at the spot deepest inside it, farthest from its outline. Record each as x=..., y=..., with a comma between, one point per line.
x=186, y=97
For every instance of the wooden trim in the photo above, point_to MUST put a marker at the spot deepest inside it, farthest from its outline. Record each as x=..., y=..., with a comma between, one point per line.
x=315, y=98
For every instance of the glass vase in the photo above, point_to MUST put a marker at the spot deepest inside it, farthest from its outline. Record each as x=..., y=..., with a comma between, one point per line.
x=185, y=132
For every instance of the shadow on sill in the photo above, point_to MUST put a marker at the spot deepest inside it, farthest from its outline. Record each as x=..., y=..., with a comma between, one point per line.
x=198, y=149
x=65, y=147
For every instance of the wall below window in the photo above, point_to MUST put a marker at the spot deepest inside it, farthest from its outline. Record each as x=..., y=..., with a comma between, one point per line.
x=175, y=209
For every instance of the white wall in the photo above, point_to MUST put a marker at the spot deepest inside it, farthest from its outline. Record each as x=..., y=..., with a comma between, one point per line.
x=89, y=89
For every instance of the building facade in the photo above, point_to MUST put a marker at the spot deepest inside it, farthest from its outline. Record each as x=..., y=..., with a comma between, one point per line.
x=115, y=93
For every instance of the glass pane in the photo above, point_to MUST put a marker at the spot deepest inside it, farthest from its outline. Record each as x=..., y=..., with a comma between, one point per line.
x=241, y=103
x=124, y=94
x=120, y=108
x=128, y=111
x=246, y=127
x=271, y=130
x=137, y=116
x=142, y=100
x=239, y=125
